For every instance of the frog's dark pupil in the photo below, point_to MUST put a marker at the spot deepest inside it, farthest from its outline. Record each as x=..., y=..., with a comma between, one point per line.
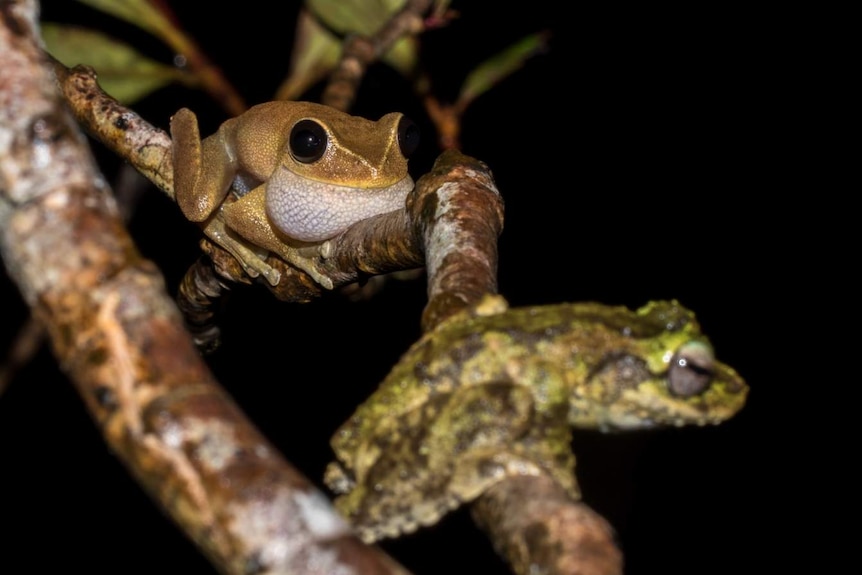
x=307, y=141
x=408, y=136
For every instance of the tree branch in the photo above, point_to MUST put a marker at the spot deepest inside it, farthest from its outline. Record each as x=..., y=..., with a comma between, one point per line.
x=124, y=132
x=532, y=522
x=119, y=337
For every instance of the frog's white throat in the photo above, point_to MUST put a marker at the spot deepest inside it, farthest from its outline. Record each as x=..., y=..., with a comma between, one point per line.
x=313, y=211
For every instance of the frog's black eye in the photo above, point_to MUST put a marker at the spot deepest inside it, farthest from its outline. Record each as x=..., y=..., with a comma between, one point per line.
x=691, y=369
x=307, y=141
x=408, y=136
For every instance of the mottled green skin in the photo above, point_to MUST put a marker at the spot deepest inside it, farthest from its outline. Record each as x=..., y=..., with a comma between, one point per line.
x=496, y=392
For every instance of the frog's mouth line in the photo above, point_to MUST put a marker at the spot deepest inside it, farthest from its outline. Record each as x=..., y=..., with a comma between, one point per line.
x=313, y=211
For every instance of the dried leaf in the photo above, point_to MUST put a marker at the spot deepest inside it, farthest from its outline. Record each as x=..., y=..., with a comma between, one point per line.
x=493, y=70
x=123, y=72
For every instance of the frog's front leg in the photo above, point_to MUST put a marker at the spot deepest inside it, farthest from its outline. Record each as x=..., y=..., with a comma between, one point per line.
x=247, y=217
x=252, y=260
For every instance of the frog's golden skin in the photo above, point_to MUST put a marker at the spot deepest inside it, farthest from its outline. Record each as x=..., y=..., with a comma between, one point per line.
x=301, y=173
x=487, y=395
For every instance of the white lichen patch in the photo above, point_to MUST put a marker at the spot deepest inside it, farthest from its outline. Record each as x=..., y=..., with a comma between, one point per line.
x=327, y=562
x=319, y=515
x=278, y=528
x=216, y=442
x=445, y=238
x=482, y=177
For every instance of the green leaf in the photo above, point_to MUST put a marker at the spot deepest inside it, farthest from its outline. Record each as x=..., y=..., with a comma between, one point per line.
x=138, y=12
x=123, y=72
x=490, y=72
x=315, y=53
x=403, y=55
x=360, y=16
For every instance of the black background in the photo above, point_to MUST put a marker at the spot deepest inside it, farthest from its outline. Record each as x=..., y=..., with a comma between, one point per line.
x=626, y=155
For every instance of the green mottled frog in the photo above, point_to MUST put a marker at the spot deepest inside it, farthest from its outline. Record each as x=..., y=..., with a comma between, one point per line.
x=496, y=392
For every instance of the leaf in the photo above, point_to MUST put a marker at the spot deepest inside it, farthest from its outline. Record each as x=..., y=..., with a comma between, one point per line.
x=315, y=53
x=493, y=70
x=123, y=72
x=137, y=12
x=403, y=55
x=360, y=16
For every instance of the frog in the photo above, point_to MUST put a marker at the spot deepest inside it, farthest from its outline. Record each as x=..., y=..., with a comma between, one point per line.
x=284, y=177
x=495, y=392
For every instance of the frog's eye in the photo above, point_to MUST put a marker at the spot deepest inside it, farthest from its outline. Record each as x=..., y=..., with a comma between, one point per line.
x=307, y=141
x=691, y=369
x=408, y=136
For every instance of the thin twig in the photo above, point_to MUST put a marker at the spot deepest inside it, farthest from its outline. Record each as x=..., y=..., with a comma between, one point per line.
x=360, y=51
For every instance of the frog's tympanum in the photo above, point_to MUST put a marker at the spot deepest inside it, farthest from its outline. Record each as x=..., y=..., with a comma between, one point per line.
x=300, y=173
x=496, y=392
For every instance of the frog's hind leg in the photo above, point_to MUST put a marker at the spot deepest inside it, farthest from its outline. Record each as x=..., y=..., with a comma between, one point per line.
x=203, y=171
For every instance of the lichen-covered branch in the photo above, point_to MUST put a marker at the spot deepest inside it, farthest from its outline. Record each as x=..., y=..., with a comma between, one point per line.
x=119, y=337
x=459, y=213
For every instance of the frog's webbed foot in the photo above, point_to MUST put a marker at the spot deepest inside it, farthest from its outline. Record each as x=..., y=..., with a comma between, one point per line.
x=295, y=257
x=252, y=261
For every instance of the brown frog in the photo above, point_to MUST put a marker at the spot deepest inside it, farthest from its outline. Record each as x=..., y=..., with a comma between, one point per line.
x=301, y=173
